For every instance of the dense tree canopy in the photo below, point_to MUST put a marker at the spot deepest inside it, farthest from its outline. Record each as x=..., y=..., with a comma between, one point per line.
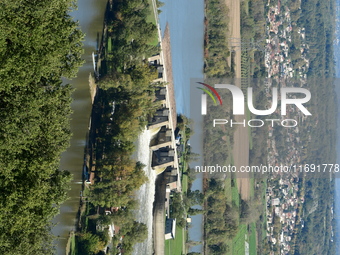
x=39, y=44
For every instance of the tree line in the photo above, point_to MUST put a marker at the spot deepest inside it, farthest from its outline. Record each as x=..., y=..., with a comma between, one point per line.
x=39, y=44
x=216, y=42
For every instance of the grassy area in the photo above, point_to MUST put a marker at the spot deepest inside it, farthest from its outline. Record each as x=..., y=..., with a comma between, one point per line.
x=109, y=44
x=71, y=245
x=252, y=239
x=248, y=115
x=185, y=183
x=238, y=244
x=175, y=246
x=151, y=18
x=264, y=229
x=252, y=187
x=228, y=189
x=108, y=51
x=246, y=6
x=235, y=196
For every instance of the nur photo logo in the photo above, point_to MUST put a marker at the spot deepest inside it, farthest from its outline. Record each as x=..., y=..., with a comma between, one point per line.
x=280, y=98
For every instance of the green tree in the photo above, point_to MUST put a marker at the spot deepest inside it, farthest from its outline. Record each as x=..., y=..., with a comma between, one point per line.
x=39, y=44
x=89, y=244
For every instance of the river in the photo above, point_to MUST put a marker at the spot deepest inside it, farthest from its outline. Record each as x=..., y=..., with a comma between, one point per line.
x=146, y=193
x=91, y=16
x=186, y=22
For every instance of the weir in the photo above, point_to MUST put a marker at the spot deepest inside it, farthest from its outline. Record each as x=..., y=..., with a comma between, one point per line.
x=163, y=145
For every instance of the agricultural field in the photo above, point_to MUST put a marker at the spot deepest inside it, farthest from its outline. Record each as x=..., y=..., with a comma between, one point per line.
x=252, y=239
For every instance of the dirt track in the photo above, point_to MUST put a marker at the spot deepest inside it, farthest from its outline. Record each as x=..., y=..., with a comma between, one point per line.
x=241, y=139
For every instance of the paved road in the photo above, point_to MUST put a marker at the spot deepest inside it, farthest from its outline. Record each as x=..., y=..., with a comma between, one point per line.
x=158, y=216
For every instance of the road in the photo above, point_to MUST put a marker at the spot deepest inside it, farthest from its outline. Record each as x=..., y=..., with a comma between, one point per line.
x=158, y=216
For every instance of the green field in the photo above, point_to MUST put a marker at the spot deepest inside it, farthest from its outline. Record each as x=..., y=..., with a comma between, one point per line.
x=175, y=246
x=252, y=239
x=151, y=18
x=228, y=189
x=109, y=44
x=238, y=244
x=235, y=196
x=71, y=248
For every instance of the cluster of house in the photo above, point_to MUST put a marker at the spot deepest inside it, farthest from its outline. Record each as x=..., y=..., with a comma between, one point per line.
x=282, y=206
x=279, y=37
x=294, y=148
x=280, y=71
x=282, y=198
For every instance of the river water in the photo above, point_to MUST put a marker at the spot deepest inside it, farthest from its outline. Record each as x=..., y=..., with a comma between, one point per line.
x=146, y=194
x=186, y=22
x=91, y=16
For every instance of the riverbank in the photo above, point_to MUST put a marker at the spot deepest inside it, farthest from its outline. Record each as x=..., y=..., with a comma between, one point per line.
x=87, y=176
x=90, y=16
